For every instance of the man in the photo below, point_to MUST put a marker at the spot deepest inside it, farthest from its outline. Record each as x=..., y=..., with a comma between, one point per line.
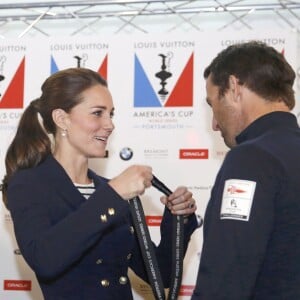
x=251, y=247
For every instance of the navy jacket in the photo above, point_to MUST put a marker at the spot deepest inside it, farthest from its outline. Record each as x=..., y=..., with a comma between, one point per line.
x=78, y=248
x=251, y=247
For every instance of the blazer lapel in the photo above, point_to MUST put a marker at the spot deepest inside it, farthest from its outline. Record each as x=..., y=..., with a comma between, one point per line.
x=60, y=180
x=56, y=175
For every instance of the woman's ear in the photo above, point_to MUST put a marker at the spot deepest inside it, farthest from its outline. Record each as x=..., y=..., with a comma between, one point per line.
x=60, y=117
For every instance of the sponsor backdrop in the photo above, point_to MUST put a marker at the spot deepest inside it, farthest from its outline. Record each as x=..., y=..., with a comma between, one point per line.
x=161, y=119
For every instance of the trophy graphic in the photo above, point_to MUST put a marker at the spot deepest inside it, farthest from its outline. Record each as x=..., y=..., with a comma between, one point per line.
x=163, y=75
x=82, y=59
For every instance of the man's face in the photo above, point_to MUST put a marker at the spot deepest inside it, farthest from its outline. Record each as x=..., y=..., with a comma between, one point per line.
x=227, y=113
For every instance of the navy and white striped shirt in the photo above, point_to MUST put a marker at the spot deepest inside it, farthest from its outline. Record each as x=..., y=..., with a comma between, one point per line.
x=86, y=190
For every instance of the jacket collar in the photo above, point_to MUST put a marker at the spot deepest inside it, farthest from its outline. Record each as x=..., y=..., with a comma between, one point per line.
x=55, y=174
x=278, y=119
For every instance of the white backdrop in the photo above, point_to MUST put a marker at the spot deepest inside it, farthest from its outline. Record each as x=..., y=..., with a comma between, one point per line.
x=172, y=134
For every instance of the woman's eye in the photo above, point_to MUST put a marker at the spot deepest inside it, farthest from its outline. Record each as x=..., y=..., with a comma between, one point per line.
x=98, y=113
x=102, y=113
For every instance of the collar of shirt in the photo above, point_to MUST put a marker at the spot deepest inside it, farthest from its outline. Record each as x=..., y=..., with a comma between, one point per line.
x=278, y=119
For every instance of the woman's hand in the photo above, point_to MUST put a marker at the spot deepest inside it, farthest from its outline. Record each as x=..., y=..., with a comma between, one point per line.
x=132, y=181
x=180, y=202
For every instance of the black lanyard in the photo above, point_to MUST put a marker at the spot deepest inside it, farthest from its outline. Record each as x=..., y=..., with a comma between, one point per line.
x=147, y=248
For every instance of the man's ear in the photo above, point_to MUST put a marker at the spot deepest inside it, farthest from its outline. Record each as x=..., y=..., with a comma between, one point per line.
x=234, y=87
x=60, y=117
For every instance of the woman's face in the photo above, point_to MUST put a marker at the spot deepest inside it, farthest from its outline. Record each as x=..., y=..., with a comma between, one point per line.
x=89, y=124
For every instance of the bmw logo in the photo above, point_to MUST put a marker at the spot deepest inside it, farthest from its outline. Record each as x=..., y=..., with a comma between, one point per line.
x=126, y=153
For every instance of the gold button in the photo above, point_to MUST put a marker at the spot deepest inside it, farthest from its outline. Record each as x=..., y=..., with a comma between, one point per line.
x=103, y=218
x=99, y=261
x=111, y=211
x=105, y=282
x=132, y=229
x=123, y=280
x=129, y=256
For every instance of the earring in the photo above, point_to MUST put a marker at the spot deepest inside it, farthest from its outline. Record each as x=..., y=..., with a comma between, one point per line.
x=64, y=132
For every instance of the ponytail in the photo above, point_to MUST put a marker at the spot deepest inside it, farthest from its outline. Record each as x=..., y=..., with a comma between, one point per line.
x=28, y=148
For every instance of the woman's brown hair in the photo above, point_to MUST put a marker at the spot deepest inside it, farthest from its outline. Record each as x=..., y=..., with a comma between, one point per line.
x=31, y=143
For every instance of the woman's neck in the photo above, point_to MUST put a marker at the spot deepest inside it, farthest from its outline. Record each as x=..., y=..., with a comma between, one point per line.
x=77, y=169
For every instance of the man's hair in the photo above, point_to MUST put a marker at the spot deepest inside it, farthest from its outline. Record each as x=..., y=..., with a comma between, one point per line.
x=259, y=67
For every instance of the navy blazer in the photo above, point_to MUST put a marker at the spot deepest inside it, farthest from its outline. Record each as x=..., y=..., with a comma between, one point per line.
x=80, y=249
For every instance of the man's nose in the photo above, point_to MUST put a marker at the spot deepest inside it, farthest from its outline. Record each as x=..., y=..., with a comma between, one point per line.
x=215, y=125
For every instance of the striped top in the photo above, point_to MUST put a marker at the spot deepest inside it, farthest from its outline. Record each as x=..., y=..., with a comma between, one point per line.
x=86, y=190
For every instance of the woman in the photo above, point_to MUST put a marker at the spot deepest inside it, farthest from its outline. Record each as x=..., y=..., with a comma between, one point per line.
x=74, y=227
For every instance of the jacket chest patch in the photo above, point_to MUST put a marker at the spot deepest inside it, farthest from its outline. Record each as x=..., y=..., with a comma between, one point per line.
x=237, y=199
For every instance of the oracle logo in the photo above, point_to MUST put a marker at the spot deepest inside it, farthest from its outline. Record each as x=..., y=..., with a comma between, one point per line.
x=193, y=153
x=17, y=285
x=186, y=290
x=153, y=220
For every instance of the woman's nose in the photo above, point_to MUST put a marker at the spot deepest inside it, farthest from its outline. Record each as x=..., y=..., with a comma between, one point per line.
x=109, y=124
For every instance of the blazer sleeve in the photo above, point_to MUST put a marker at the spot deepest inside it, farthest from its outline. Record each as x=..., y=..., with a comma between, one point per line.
x=45, y=244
